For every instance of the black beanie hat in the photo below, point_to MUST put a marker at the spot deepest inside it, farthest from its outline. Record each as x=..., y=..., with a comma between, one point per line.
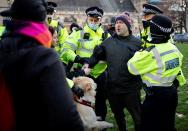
x=161, y=25
x=125, y=20
x=34, y=10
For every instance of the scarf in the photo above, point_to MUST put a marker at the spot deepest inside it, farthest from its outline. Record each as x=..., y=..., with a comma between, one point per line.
x=35, y=30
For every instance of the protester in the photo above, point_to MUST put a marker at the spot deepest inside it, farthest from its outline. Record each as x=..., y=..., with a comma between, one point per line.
x=123, y=89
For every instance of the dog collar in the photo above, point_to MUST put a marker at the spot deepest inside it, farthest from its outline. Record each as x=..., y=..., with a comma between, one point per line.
x=84, y=102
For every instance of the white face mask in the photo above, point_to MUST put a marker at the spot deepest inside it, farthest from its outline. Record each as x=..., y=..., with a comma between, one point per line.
x=93, y=26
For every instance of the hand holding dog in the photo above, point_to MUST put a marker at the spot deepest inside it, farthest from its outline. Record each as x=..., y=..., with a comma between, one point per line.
x=86, y=69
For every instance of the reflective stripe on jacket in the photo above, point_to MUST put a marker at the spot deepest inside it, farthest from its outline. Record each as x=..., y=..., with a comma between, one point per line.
x=2, y=29
x=70, y=82
x=82, y=43
x=144, y=36
x=62, y=34
x=158, y=67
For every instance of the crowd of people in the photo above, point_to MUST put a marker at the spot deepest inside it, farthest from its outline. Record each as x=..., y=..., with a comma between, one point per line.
x=39, y=59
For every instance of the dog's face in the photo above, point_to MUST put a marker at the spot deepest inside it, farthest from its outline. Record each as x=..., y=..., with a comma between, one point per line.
x=88, y=86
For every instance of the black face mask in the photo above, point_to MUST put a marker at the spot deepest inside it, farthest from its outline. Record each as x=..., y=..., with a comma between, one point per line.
x=156, y=39
x=145, y=24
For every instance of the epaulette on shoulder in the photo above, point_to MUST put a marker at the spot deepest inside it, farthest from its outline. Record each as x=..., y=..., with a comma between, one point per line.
x=150, y=48
x=78, y=29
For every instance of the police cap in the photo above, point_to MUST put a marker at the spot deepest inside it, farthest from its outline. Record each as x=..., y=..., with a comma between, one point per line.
x=94, y=12
x=151, y=9
x=161, y=25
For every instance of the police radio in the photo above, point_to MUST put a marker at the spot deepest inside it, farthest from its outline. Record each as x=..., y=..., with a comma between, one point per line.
x=104, y=35
x=86, y=36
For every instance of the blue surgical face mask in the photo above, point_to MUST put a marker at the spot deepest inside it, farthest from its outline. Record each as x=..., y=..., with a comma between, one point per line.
x=93, y=26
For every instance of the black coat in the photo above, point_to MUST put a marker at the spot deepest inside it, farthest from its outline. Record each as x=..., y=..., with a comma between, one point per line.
x=42, y=100
x=116, y=51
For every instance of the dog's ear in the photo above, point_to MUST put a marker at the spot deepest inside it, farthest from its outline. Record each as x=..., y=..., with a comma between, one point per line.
x=76, y=80
x=94, y=85
x=88, y=87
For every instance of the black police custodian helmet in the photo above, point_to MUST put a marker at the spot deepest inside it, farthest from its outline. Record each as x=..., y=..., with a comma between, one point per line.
x=161, y=25
x=34, y=10
x=151, y=9
x=94, y=12
x=51, y=7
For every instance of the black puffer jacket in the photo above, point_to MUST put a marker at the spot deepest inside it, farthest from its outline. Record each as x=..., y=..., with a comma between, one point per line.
x=116, y=51
x=36, y=78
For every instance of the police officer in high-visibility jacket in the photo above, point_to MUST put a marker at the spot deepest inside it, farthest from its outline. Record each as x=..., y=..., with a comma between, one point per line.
x=79, y=46
x=61, y=29
x=159, y=66
x=149, y=11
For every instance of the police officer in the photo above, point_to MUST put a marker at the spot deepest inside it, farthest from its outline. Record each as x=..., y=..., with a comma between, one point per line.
x=149, y=11
x=79, y=46
x=159, y=66
x=61, y=30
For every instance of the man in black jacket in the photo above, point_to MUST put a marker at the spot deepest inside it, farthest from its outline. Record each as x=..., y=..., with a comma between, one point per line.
x=122, y=87
x=33, y=73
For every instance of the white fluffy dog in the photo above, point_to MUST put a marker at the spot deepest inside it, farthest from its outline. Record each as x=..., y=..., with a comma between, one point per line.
x=86, y=103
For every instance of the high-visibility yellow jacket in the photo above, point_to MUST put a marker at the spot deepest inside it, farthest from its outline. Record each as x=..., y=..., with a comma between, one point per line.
x=158, y=65
x=82, y=43
x=70, y=82
x=144, y=37
x=62, y=34
x=2, y=29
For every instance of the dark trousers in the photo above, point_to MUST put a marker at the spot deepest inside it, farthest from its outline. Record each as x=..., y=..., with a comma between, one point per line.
x=158, y=113
x=130, y=101
x=101, y=96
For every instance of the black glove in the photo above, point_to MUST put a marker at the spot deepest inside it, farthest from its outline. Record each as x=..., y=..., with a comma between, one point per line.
x=77, y=91
x=176, y=83
x=81, y=60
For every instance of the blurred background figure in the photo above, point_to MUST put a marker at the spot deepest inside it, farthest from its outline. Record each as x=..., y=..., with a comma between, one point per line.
x=58, y=25
x=53, y=31
x=111, y=26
